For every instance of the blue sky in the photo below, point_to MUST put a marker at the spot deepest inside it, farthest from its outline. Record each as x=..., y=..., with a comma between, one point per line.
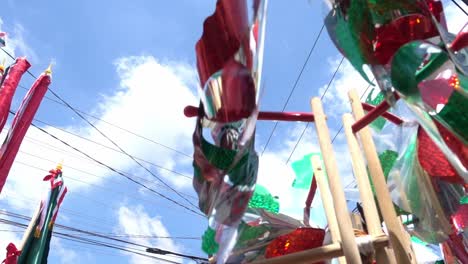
x=132, y=63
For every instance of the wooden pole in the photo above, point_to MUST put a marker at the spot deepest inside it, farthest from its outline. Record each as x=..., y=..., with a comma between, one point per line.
x=349, y=245
x=373, y=223
x=399, y=239
x=327, y=201
x=318, y=254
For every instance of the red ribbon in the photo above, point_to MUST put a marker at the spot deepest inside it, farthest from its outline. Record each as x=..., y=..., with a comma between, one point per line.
x=52, y=176
x=12, y=254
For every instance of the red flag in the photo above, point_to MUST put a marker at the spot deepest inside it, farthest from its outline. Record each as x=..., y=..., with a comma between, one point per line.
x=10, y=83
x=21, y=123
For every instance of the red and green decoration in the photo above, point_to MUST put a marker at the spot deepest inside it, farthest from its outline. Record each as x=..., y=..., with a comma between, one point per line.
x=374, y=98
x=229, y=58
x=36, y=242
x=460, y=218
x=261, y=199
x=2, y=39
x=409, y=50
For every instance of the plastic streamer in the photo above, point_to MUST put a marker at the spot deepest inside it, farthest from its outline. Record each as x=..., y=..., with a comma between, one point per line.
x=229, y=62
x=409, y=50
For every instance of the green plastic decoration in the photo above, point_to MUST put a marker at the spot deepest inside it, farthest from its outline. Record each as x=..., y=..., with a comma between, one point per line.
x=209, y=244
x=249, y=233
x=350, y=45
x=304, y=171
x=387, y=160
x=464, y=200
x=379, y=123
x=263, y=199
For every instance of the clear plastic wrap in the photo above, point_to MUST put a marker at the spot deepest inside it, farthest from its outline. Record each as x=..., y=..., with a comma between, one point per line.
x=229, y=62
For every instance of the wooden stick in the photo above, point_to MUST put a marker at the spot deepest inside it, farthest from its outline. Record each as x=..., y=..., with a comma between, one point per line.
x=350, y=248
x=399, y=239
x=318, y=254
x=327, y=201
x=373, y=223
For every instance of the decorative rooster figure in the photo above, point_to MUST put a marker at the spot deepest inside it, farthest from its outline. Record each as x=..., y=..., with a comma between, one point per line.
x=229, y=62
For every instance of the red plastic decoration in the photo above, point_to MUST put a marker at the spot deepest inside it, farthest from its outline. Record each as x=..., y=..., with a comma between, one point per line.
x=460, y=218
x=435, y=92
x=434, y=162
x=390, y=37
x=12, y=254
x=236, y=98
x=9, y=85
x=224, y=33
x=296, y=241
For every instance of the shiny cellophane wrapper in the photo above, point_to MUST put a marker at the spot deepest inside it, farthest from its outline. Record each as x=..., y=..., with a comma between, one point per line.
x=229, y=62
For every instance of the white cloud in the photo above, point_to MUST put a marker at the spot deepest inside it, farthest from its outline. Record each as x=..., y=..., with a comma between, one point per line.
x=8, y=236
x=456, y=19
x=135, y=220
x=149, y=100
x=15, y=43
x=66, y=256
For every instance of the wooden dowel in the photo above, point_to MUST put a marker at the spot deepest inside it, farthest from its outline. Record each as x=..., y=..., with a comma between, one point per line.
x=346, y=229
x=327, y=201
x=399, y=239
x=373, y=223
x=318, y=254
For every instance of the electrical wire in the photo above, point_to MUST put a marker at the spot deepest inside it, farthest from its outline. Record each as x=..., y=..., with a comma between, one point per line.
x=82, y=231
x=110, y=148
x=95, y=175
x=294, y=86
x=109, y=139
x=308, y=123
x=459, y=7
x=88, y=241
x=116, y=171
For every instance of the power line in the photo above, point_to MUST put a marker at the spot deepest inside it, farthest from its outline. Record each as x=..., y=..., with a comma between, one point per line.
x=15, y=215
x=88, y=241
x=295, y=85
x=109, y=139
x=87, y=220
x=110, y=148
x=96, y=186
x=117, y=126
x=84, y=159
x=459, y=7
x=308, y=123
x=91, y=174
x=116, y=171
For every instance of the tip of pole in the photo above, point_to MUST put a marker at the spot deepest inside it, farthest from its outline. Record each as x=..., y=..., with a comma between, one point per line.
x=48, y=71
x=2, y=66
x=60, y=165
